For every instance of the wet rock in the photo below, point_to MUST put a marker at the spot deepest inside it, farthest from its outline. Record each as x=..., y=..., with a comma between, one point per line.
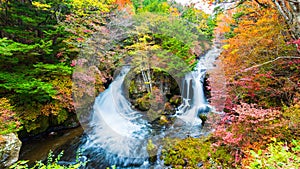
x=179, y=123
x=203, y=117
x=152, y=151
x=163, y=120
x=200, y=164
x=52, y=133
x=186, y=162
x=176, y=100
x=157, y=98
x=10, y=146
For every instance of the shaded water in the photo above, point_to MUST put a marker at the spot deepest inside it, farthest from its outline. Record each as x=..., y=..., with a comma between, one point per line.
x=38, y=148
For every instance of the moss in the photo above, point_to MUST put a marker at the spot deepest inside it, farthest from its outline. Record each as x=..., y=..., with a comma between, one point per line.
x=175, y=100
x=37, y=126
x=186, y=153
x=203, y=117
x=158, y=105
x=152, y=151
x=195, y=152
x=143, y=103
x=163, y=120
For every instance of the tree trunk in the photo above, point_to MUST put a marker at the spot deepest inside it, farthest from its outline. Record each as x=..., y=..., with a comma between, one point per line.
x=290, y=10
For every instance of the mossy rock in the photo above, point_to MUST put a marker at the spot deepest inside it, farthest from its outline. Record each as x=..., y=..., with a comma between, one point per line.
x=152, y=115
x=158, y=103
x=195, y=153
x=203, y=118
x=163, y=120
x=176, y=100
x=152, y=151
x=143, y=103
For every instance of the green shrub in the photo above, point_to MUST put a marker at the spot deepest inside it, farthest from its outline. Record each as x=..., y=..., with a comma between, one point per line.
x=51, y=163
x=277, y=155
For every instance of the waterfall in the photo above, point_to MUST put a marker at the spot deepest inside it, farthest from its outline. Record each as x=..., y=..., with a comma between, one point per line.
x=119, y=134
x=194, y=101
x=116, y=128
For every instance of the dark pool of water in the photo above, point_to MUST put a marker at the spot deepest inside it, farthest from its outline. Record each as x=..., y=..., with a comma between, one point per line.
x=38, y=148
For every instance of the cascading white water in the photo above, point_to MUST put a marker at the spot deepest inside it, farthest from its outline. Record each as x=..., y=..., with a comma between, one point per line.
x=122, y=134
x=116, y=128
x=194, y=101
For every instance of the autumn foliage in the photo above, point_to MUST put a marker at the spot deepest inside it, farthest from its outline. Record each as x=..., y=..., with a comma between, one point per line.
x=8, y=120
x=255, y=86
x=261, y=66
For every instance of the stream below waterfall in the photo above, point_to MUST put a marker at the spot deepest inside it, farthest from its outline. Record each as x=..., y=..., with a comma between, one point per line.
x=119, y=135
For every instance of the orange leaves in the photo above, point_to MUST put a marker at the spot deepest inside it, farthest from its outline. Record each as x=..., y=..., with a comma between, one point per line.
x=224, y=23
x=124, y=5
x=256, y=38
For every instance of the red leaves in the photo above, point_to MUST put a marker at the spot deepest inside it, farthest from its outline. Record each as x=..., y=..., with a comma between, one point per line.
x=87, y=31
x=246, y=125
x=59, y=54
x=296, y=42
x=73, y=63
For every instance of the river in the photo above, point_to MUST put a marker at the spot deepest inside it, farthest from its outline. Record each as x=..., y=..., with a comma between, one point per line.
x=119, y=135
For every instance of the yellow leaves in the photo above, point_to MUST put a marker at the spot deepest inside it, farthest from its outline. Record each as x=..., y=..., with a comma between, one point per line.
x=50, y=109
x=165, y=5
x=83, y=7
x=144, y=38
x=174, y=11
x=41, y=5
x=234, y=51
x=226, y=47
x=203, y=25
x=293, y=114
x=4, y=104
x=156, y=47
x=30, y=113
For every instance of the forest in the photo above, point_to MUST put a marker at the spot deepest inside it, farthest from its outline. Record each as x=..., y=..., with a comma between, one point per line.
x=57, y=56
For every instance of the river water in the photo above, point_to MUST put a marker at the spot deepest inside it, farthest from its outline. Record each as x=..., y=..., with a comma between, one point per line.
x=119, y=135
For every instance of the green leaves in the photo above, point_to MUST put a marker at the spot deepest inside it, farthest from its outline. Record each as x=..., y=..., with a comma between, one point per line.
x=156, y=6
x=52, y=163
x=277, y=155
x=26, y=86
x=171, y=39
x=8, y=47
x=59, y=69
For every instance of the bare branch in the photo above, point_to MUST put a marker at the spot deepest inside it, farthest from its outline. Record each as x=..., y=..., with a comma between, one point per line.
x=281, y=57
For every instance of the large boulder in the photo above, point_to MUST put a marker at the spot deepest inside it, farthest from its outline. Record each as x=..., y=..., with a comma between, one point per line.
x=10, y=146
